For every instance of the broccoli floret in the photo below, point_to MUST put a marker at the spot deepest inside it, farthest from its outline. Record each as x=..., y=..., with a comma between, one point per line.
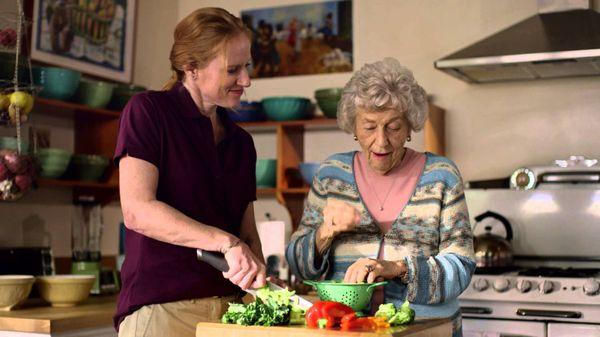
x=386, y=310
x=403, y=316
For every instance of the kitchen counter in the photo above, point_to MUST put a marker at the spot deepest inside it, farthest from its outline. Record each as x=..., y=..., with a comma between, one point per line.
x=419, y=328
x=37, y=316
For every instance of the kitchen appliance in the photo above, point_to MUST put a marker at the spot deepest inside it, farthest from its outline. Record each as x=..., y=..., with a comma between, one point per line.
x=86, y=232
x=36, y=261
x=218, y=262
x=577, y=171
x=562, y=40
x=553, y=287
x=493, y=250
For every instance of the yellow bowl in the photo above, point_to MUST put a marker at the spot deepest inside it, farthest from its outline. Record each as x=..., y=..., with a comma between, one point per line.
x=65, y=290
x=13, y=290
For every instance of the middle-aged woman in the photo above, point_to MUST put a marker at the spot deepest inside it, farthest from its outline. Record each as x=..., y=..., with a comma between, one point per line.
x=387, y=212
x=187, y=181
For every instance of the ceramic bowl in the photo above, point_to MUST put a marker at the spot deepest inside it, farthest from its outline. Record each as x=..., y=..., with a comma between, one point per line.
x=308, y=171
x=286, y=108
x=14, y=289
x=327, y=100
x=58, y=83
x=53, y=162
x=122, y=94
x=266, y=173
x=247, y=112
x=10, y=143
x=65, y=290
x=88, y=167
x=95, y=94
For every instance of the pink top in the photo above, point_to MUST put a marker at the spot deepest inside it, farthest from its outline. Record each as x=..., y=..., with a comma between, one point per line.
x=386, y=195
x=391, y=191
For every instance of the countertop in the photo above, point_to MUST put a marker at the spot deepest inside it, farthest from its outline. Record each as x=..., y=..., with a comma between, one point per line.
x=37, y=316
x=419, y=328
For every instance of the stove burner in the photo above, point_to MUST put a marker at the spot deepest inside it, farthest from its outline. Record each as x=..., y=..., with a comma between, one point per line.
x=560, y=272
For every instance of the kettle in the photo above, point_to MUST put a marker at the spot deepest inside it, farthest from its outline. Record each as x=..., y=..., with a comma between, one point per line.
x=492, y=250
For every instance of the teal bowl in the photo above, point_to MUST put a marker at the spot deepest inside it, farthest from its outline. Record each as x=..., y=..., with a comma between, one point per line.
x=88, y=167
x=122, y=94
x=286, y=108
x=57, y=83
x=95, y=94
x=10, y=143
x=266, y=173
x=53, y=162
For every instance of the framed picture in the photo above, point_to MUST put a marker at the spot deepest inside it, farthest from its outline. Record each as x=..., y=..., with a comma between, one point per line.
x=305, y=39
x=92, y=36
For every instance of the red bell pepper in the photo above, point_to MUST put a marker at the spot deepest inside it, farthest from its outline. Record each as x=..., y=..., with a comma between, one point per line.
x=326, y=314
x=351, y=322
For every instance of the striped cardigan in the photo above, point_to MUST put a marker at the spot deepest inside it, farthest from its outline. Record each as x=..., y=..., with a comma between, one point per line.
x=432, y=235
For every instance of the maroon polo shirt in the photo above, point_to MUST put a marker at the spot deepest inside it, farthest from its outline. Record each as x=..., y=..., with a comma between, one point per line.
x=210, y=183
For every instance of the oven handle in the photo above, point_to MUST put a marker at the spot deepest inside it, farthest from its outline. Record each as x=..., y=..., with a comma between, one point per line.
x=549, y=313
x=475, y=310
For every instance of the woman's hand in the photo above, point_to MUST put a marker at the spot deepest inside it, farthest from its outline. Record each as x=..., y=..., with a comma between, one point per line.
x=372, y=269
x=338, y=217
x=245, y=269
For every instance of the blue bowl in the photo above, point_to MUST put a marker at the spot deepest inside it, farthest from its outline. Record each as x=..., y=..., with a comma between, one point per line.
x=286, y=108
x=247, y=112
x=308, y=171
x=57, y=83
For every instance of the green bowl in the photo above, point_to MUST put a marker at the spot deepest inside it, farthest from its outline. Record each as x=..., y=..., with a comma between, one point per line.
x=355, y=295
x=58, y=83
x=88, y=167
x=122, y=94
x=266, y=173
x=95, y=94
x=286, y=108
x=53, y=162
x=329, y=93
x=328, y=106
x=10, y=143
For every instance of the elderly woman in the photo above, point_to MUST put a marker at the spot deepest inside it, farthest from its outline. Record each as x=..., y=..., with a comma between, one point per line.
x=387, y=212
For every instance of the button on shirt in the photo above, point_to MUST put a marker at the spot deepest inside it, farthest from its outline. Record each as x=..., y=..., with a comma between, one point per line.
x=210, y=183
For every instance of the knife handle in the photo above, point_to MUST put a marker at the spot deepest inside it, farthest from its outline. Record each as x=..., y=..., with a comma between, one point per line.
x=214, y=259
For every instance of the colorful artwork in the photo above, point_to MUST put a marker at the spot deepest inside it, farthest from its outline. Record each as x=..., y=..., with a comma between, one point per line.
x=93, y=36
x=306, y=39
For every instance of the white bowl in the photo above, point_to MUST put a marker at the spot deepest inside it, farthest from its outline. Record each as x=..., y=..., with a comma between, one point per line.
x=14, y=289
x=65, y=290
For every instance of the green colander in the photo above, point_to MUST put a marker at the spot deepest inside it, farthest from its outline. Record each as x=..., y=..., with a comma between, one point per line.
x=355, y=295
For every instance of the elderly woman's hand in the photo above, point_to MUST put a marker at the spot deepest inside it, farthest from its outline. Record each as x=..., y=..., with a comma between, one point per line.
x=338, y=217
x=370, y=270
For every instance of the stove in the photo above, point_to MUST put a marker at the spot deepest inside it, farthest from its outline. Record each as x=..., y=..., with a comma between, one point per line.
x=553, y=288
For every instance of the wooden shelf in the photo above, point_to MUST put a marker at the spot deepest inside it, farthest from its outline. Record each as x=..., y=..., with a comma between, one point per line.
x=265, y=192
x=296, y=190
x=66, y=109
x=42, y=182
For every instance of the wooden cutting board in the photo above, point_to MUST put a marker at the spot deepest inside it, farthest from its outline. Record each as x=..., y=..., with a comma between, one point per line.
x=419, y=328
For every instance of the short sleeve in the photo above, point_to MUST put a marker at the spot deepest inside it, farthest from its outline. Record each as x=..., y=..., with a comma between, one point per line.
x=139, y=134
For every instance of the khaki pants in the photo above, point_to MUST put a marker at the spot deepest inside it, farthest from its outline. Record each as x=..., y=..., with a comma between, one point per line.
x=174, y=318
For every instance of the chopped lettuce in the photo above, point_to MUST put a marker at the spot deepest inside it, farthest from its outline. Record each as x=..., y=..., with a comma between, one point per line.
x=403, y=315
x=271, y=307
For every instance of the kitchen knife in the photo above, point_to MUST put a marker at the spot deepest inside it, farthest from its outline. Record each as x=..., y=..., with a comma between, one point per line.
x=218, y=262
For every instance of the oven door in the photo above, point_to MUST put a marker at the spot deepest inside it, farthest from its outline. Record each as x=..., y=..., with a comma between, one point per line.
x=501, y=328
x=568, y=330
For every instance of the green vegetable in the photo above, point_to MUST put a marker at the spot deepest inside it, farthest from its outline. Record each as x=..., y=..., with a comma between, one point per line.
x=322, y=323
x=270, y=308
x=403, y=315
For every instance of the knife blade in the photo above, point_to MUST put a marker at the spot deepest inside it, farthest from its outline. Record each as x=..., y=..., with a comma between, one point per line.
x=218, y=262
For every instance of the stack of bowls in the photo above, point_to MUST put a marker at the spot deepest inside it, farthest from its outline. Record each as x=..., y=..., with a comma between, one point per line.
x=266, y=173
x=57, y=83
x=53, y=162
x=88, y=167
x=122, y=94
x=247, y=112
x=14, y=289
x=286, y=108
x=95, y=94
x=327, y=100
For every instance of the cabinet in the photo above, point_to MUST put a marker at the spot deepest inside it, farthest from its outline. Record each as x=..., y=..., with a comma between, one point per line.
x=95, y=132
x=290, y=190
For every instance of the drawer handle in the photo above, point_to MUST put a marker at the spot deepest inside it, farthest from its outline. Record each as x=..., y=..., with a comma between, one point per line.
x=548, y=313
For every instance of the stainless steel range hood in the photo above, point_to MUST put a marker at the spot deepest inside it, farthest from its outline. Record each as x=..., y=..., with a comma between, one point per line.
x=548, y=45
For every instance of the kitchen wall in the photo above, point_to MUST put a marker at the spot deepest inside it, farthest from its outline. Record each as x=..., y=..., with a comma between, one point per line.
x=490, y=129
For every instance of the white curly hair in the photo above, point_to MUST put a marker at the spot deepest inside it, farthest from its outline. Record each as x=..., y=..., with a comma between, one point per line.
x=381, y=86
